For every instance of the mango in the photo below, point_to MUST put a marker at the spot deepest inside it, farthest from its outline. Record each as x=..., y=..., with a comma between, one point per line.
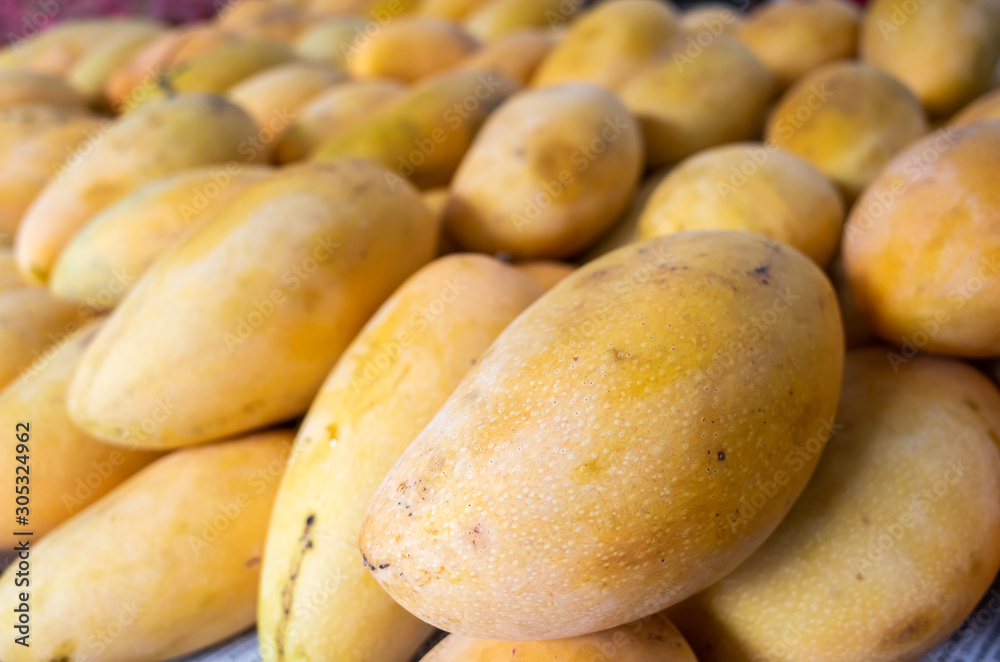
x=330, y=41
x=983, y=108
x=317, y=601
x=549, y=172
x=608, y=43
x=684, y=106
x=652, y=638
x=263, y=20
x=67, y=469
x=91, y=73
x=516, y=55
x=281, y=92
x=160, y=139
x=944, y=51
x=299, y=262
x=848, y=119
x=751, y=187
x=172, y=563
x=25, y=88
x=424, y=135
x=32, y=321
x=452, y=10
x=498, y=18
x=922, y=245
x=333, y=114
x=794, y=37
x=715, y=18
x=547, y=273
x=102, y=262
x=10, y=276
x=36, y=142
x=411, y=48
x=892, y=543
x=596, y=465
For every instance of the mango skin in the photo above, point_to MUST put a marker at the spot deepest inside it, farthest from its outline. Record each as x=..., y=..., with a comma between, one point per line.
x=161, y=138
x=684, y=105
x=334, y=113
x=424, y=135
x=499, y=18
x=716, y=17
x=945, y=51
x=90, y=75
x=793, y=38
x=516, y=55
x=450, y=9
x=652, y=638
x=198, y=513
x=374, y=403
x=282, y=90
x=410, y=48
x=31, y=322
x=981, y=109
x=288, y=299
x=848, y=119
x=277, y=22
x=892, y=543
x=922, y=245
x=606, y=45
x=69, y=469
x=784, y=198
x=547, y=174
x=594, y=467
x=330, y=41
x=102, y=262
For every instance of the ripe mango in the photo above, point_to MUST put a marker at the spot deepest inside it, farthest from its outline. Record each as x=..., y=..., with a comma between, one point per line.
x=409, y=49
x=715, y=18
x=298, y=262
x=67, y=469
x=450, y=9
x=596, y=465
x=172, y=559
x=282, y=90
x=91, y=73
x=317, y=601
x=161, y=138
x=263, y=20
x=516, y=55
x=498, y=18
x=894, y=540
x=102, y=262
x=547, y=174
x=424, y=135
x=751, y=187
x=330, y=41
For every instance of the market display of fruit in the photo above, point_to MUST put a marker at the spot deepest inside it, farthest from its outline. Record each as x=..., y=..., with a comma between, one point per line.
x=483, y=330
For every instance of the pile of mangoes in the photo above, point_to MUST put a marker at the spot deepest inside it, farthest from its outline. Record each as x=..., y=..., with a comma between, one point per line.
x=605, y=333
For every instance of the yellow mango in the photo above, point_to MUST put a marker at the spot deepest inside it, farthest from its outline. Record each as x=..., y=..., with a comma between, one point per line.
x=31, y=322
x=751, y=187
x=331, y=40
x=943, y=50
x=794, y=37
x=317, y=601
x=547, y=273
x=160, y=139
x=34, y=143
x=25, y=88
x=67, y=469
x=609, y=43
x=172, y=559
x=101, y=263
x=713, y=18
x=410, y=49
x=594, y=467
x=922, y=245
x=263, y=20
x=333, y=114
x=516, y=55
x=548, y=173
x=452, y=10
x=498, y=18
x=298, y=263
x=424, y=135
x=57, y=49
x=282, y=91
x=91, y=73
x=892, y=543
x=652, y=638
x=986, y=107
x=685, y=106
x=848, y=119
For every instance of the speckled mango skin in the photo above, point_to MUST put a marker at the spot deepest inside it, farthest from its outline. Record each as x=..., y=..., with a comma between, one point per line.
x=784, y=197
x=298, y=264
x=389, y=384
x=944, y=50
x=165, y=564
x=651, y=639
x=597, y=464
x=424, y=135
x=102, y=261
x=922, y=245
x=548, y=173
x=62, y=454
x=185, y=131
x=848, y=119
x=609, y=43
x=892, y=543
